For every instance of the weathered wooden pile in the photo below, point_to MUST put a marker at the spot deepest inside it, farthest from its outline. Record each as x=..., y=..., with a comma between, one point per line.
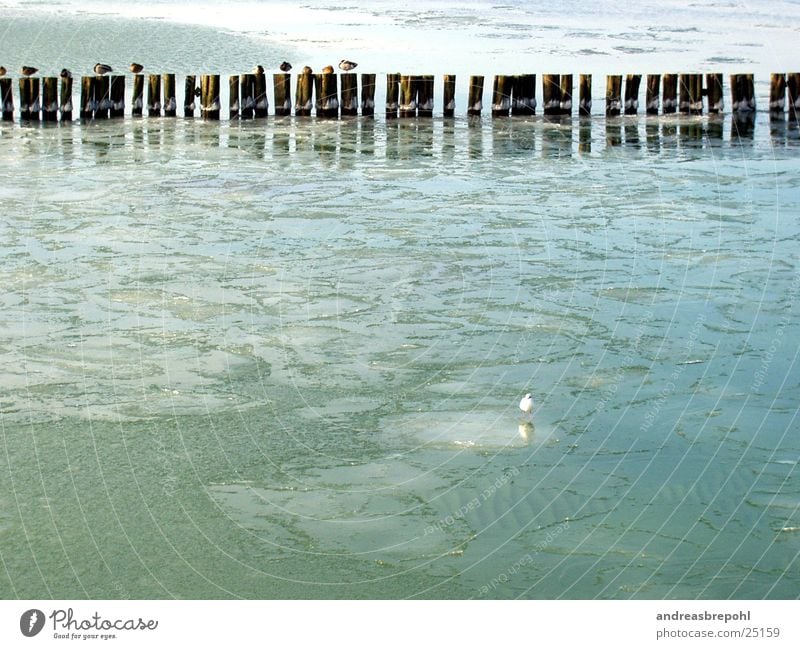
x=332, y=95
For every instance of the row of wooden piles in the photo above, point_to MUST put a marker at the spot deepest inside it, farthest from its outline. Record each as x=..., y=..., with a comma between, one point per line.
x=406, y=95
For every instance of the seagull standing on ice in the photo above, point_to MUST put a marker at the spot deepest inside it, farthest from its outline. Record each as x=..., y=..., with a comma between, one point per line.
x=526, y=404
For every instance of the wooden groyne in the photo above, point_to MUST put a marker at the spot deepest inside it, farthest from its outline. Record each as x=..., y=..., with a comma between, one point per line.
x=332, y=95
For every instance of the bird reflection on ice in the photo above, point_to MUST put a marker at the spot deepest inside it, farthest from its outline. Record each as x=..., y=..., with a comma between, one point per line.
x=469, y=430
x=526, y=430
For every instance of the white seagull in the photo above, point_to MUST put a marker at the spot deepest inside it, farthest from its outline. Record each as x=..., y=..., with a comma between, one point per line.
x=526, y=404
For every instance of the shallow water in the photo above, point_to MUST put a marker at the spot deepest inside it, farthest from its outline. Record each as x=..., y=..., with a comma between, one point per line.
x=282, y=359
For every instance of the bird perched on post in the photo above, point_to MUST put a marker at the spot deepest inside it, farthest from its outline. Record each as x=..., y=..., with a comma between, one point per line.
x=102, y=68
x=65, y=74
x=259, y=69
x=28, y=71
x=136, y=68
x=346, y=65
x=285, y=66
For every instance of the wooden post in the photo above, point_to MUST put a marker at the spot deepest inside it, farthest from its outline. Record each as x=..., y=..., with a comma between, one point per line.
x=714, y=92
x=425, y=92
x=137, y=99
x=475, y=96
x=209, y=96
x=233, y=96
x=86, y=109
x=683, y=94
x=793, y=85
x=777, y=94
x=749, y=84
x=118, y=95
x=261, y=108
x=565, y=104
x=349, y=101
x=551, y=94
x=653, y=90
x=189, y=93
x=742, y=93
x=367, y=94
x=392, y=95
x=170, y=100
x=523, y=100
x=501, y=95
x=632, y=82
x=449, y=95
x=669, y=97
x=36, y=106
x=154, y=95
x=585, y=100
x=327, y=95
x=102, y=96
x=613, y=94
x=691, y=93
x=65, y=103
x=282, y=87
x=735, y=91
x=24, y=99
x=408, y=96
x=7, y=99
x=29, y=106
x=50, y=99
x=247, y=89
x=303, y=94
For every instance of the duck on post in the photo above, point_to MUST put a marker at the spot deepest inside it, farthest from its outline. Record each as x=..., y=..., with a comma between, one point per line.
x=102, y=90
x=65, y=100
x=29, y=93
